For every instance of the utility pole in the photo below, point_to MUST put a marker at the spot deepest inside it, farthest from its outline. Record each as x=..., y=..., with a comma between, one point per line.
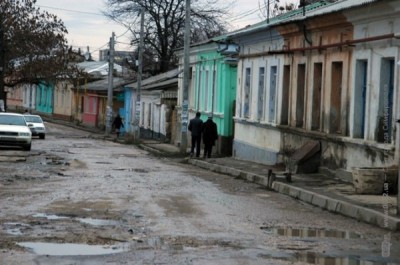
x=139, y=81
x=109, y=111
x=30, y=83
x=397, y=158
x=2, y=64
x=185, y=90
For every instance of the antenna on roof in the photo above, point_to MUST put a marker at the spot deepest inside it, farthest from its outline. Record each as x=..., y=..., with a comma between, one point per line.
x=303, y=5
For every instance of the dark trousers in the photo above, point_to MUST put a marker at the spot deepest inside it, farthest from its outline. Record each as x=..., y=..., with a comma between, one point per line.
x=207, y=150
x=195, y=143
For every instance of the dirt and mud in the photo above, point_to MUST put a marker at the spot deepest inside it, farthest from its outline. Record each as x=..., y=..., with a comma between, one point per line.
x=79, y=199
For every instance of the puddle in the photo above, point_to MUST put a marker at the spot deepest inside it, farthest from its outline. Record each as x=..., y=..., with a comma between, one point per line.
x=317, y=259
x=311, y=232
x=66, y=249
x=97, y=222
x=320, y=259
x=49, y=216
x=89, y=221
x=15, y=229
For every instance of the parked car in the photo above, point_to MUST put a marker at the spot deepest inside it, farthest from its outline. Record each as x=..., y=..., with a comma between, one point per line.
x=36, y=124
x=14, y=131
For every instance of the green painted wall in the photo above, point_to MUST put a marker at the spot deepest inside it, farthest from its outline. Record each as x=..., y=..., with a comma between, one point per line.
x=44, y=98
x=215, y=90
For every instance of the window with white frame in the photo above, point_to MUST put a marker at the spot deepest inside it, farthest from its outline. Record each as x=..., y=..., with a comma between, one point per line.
x=206, y=88
x=246, y=95
x=261, y=88
x=272, y=93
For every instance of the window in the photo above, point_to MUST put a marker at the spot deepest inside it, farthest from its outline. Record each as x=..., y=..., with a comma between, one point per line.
x=86, y=104
x=301, y=78
x=247, y=81
x=385, y=112
x=261, y=87
x=45, y=96
x=206, y=87
x=272, y=93
x=192, y=89
x=360, y=99
x=336, y=97
x=316, y=97
x=149, y=116
x=142, y=113
x=285, y=95
x=62, y=97
x=214, y=91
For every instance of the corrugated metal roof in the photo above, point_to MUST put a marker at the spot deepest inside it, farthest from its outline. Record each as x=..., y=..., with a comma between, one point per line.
x=102, y=85
x=162, y=84
x=100, y=67
x=158, y=79
x=313, y=10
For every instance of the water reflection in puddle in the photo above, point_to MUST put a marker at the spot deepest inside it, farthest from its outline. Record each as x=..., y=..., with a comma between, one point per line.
x=317, y=259
x=310, y=232
x=97, y=222
x=49, y=216
x=15, y=229
x=55, y=249
x=321, y=259
x=89, y=221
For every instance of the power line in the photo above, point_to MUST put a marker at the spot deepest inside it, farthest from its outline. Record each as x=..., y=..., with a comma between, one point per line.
x=73, y=11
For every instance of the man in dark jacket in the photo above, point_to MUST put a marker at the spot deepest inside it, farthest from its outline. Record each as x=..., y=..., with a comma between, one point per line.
x=210, y=134
x=195, y=127
x=117, y=124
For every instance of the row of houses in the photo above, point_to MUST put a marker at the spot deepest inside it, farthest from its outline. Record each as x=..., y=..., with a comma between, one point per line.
x=326, y=73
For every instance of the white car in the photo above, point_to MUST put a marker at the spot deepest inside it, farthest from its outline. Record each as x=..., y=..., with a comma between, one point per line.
x=14, y=131
x=36, y=124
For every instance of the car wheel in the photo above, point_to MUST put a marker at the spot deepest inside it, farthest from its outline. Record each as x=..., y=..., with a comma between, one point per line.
x=42, y=136
x=27, y=147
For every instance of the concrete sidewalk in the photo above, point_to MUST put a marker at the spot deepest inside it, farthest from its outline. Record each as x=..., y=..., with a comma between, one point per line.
x=326, y=192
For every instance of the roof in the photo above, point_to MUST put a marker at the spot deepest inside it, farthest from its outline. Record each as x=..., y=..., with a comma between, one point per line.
x=102, y=85
x=100, y=67
x=160, y=80
x=317, y=9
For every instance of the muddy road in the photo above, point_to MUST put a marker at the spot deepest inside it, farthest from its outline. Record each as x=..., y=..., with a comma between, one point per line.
x=78, y=199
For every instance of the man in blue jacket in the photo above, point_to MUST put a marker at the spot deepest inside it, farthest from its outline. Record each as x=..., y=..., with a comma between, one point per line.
x=195, y=127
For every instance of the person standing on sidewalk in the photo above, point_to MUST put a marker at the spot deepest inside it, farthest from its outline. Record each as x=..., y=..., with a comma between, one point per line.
x=195, y=127
x=210, y=135
x=117, y=124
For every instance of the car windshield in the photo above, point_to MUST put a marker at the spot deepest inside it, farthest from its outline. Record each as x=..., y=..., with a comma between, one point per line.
x=35, y=119
x=12, y=120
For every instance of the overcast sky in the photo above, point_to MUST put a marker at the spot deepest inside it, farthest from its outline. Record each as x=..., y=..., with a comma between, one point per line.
x=88, y=27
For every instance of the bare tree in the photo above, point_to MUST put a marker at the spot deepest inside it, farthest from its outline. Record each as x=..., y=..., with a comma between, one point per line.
x=165, y=23
x=273, y=8
x=32, y=45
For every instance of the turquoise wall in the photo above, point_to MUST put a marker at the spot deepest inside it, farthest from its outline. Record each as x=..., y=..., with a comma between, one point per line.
x=45, y=98
x=215, y=90
x=127, y=110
